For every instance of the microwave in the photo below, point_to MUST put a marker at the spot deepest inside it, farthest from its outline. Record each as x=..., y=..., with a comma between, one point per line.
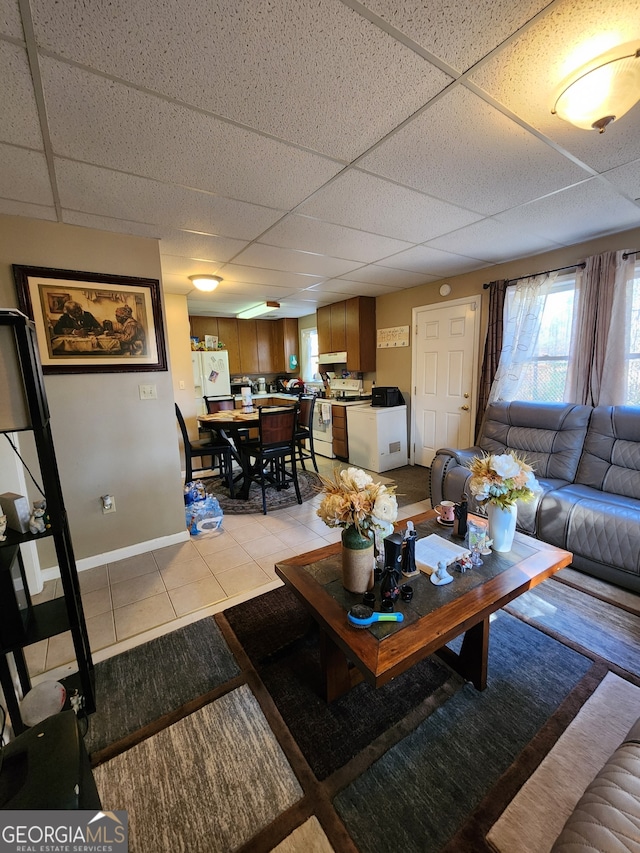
x=386, y=395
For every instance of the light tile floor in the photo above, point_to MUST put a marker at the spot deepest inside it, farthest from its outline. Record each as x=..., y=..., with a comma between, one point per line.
x=134, y=600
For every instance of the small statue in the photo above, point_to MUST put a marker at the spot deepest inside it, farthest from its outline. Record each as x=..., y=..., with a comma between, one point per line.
x=3, y=527
x=409, y=569
x=441, y=576
x=36, y=522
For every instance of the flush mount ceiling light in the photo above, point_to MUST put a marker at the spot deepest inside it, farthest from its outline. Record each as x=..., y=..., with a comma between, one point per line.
x=602, y=90
x=205, y=282
x=257, y=310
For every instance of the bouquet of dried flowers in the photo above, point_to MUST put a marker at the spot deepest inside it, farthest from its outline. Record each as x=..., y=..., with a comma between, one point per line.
x=353, y=499
x=502, y=479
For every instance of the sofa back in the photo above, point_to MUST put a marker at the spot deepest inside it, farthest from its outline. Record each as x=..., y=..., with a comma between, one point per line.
x=550, y=436
x=611, y=458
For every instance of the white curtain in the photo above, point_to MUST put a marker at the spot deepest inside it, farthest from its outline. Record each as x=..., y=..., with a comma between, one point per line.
x=614, y=390
x=526, y=301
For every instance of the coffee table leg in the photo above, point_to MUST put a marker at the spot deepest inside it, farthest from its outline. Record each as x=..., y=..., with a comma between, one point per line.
x=339, y=676
x=474, y=654
x=473, y=661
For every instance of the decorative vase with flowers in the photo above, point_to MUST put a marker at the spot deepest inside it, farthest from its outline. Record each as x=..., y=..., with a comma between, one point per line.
x=360, y=506
x=499, y=480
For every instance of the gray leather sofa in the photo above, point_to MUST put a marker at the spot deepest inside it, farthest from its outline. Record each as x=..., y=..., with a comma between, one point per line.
x=607, y=816
x=587, y=462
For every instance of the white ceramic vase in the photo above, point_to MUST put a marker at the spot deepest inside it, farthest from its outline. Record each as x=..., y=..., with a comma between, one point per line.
x=502, y=526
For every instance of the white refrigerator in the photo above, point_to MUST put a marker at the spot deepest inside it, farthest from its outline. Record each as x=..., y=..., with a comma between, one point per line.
x=210, y=375
x=377, y=437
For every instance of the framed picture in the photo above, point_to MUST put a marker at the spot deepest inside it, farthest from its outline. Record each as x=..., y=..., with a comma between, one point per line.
x=93, y=322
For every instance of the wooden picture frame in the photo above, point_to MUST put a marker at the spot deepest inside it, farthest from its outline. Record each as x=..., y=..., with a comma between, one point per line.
x=93, y=322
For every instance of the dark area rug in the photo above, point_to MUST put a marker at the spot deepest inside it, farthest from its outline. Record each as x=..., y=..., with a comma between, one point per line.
x=309, y=486
x=282, y=643
x=140, y=687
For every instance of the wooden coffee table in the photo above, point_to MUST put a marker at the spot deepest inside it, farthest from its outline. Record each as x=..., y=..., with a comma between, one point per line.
x=434, y=617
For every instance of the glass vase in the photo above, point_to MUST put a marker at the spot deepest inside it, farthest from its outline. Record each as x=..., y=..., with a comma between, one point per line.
x=357, y=561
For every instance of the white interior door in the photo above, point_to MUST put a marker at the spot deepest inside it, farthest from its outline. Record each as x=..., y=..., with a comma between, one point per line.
x=445, y=346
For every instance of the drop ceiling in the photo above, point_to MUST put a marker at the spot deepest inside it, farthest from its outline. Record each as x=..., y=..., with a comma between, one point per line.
x=311, y=150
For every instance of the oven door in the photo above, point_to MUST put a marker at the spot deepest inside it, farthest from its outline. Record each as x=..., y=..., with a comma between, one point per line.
x=323, y=430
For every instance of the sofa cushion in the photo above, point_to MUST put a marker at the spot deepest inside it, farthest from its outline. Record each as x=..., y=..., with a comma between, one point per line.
x=550, y=436
x=607, y=817
x=597, y=525
x=611, y=458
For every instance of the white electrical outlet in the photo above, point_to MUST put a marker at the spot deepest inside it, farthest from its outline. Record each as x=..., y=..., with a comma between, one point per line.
x=148, y=392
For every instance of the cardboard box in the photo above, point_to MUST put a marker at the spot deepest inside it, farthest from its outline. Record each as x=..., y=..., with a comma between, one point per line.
x=18, y=512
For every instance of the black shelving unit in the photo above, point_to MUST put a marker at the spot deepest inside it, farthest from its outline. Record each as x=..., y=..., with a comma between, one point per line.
x=23, y=406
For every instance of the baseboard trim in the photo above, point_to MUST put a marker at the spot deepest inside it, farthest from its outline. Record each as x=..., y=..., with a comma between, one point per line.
x=53, y=572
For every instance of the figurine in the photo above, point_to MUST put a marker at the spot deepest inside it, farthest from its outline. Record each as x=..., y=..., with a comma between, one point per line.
x=460, y=517
x=3, y=527
x=36, y=522
x=441, y=576
x=409, y=569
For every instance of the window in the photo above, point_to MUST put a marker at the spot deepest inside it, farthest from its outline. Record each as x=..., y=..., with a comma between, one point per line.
x=309, y=354
x=632, y=342
x=544, y=374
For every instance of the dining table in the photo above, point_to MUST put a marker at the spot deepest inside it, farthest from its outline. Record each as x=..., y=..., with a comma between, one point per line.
x=228, y=424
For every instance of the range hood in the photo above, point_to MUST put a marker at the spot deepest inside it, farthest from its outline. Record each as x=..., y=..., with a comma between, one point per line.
x=332, y=358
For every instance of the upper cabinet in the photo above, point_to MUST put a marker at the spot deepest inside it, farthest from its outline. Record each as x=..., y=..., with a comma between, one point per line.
x=350, y=326
x=254, y=346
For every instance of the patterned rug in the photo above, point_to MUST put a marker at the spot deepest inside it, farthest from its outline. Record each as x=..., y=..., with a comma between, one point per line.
x=309, y=487
x=258, y=762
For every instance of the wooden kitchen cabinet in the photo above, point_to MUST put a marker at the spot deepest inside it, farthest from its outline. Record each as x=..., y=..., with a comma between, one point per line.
x=360, y=333
x=350, y=326
x=248, y=345
x=340, y=437
x=228, y=334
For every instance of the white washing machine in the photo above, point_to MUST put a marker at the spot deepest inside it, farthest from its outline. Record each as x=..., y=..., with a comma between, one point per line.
x=377, y=437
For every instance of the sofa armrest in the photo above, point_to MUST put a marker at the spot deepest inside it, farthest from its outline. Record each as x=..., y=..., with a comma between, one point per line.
x=444, y=462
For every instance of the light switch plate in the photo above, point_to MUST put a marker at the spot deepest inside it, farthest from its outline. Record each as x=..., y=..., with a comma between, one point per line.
x=148, y=392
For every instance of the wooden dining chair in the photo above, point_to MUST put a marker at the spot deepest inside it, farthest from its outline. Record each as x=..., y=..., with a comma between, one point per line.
x=304, y=430
x=271, y=459
x=218, y=448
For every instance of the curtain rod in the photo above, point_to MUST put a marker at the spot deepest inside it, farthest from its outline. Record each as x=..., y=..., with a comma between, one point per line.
x=632, y=252
x=546, y=272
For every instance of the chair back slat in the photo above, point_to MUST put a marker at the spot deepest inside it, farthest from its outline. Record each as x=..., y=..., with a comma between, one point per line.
x=277, y=426
x=214, y=405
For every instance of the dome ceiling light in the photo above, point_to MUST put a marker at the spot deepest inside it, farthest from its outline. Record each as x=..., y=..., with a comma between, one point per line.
x=602, y=90
x=206, y=283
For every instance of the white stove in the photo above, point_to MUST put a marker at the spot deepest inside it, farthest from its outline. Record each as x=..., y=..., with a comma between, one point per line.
x=344, y=392
x=345, y=387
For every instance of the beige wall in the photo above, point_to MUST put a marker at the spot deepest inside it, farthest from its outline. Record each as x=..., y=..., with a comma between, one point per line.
x=107, y=440
x=393, y=366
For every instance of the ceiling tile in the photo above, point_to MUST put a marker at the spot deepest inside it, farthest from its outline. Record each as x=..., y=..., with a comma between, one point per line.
x=626, y=179
x=238, y=272
x=356, y=199
x=338, y=287
x=494, y=242
x=10, y=21
x=458, y=31
x=463, y=150
x=526, y=74
x=19, y=208
x=176, y=265
x=112, y=125
x=108, y=193
x=313, y=235
x=213, y=56
x=24, y=176
x=433, y=262
x=202, y=247
x=275, y=258
x=397, y=279
x=578, y=214
x=19, y=115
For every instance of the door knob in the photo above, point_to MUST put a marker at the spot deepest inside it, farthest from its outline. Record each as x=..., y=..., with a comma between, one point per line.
x=465, y=408
x=466, y=396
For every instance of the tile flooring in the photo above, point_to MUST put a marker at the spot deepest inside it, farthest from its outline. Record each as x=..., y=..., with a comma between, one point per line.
x=133, y=600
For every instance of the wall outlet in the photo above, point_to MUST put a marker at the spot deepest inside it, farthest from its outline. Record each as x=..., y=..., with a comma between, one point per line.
x=148, y=392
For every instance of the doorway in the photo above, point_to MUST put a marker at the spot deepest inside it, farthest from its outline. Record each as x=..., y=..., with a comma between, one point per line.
x=445, y=369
